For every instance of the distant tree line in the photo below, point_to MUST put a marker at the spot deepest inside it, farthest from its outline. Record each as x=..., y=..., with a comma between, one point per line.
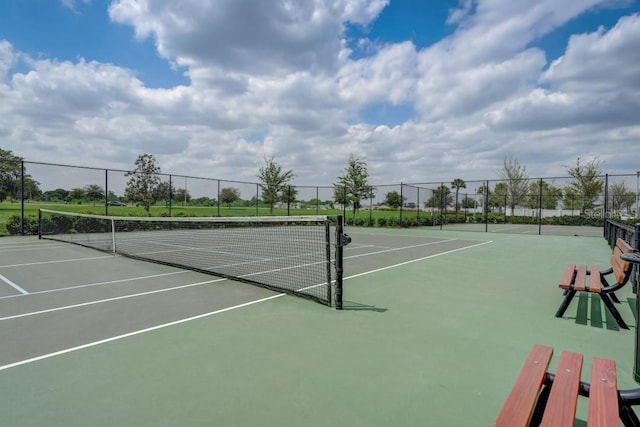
x=145, y=188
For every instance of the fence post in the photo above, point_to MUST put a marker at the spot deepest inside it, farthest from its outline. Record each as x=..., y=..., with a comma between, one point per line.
x=106, y=191
x=401, y=202
x=218, y=197
x=288, y=200
x=636, y=267
x=23, y=221
x=257, y=199
x=170, y=193
x=606, y=199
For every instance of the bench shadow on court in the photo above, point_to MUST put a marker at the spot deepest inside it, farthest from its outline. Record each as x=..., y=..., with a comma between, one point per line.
x=590, y=312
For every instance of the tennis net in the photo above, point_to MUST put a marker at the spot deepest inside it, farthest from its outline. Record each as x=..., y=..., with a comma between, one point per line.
x=289, y=254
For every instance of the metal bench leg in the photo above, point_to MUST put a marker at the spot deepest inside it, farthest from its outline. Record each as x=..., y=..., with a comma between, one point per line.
x=614, y=298
x=565, y=302
x=628, y=417
x=614, y=312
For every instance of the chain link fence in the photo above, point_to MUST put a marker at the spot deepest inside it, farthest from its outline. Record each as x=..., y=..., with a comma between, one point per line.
x=559, y=205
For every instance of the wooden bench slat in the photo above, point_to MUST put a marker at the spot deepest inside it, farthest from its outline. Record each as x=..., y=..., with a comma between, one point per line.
x=518, y=407
x=603, y=394
x=580, y=282
x=567, y=277
x=620, y=266
x=563, y=399
x=595, y=282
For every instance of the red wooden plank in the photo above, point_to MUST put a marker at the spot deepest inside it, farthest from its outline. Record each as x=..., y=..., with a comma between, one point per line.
x=563, y=399
x=595, y=284
x=567, y=277
x=579, y=283
x=603, y=394
x=518, y=407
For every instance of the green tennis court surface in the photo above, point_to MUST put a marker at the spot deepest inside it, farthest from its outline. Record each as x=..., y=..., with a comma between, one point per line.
x=435, y=328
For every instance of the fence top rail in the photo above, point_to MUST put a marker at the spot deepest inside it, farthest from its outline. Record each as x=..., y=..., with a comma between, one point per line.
x=416, y=184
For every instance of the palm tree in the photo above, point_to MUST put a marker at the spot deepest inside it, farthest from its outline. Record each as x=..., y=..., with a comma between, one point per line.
x=458, y=184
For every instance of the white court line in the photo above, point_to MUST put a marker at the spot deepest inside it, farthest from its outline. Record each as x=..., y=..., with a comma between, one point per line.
x=130, y=334
x=417, y=259
x=67, y=307
x=515, y=227
x=22, y=248
x=55, y=262
x=401, y=248
x=110, y=282
x=13, y=285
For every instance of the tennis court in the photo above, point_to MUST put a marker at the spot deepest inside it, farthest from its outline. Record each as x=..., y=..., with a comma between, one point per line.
x=435, y=326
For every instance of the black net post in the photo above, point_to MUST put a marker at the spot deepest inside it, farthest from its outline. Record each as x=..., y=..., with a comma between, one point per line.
x=339, y=260
x=39, y=224
x=486, y=208
x=540, y=208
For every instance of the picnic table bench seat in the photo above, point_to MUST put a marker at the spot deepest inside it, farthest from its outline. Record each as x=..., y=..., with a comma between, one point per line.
x=582, y=278
x=540, y=398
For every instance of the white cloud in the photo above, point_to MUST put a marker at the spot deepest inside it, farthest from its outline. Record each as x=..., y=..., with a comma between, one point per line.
x=601, y=61
x=289, y=88
x=595, y=83
x=245, y=36
x=72, y=5
x=7, y=59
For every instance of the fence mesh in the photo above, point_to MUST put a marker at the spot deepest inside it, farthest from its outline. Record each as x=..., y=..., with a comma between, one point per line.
x=556, y=205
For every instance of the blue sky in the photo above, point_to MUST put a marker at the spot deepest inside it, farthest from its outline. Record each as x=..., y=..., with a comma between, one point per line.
x=421, y=90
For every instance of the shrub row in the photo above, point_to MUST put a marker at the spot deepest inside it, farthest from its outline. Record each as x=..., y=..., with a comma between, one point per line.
x=83, y=225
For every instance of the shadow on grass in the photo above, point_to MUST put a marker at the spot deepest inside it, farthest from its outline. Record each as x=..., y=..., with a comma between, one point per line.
x=350, y=305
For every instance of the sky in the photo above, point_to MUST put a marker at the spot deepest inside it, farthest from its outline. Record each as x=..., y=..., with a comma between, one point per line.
x=421, y=91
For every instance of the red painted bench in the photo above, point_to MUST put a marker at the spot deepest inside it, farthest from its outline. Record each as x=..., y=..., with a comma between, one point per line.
x=593, y=280
x=539, y=398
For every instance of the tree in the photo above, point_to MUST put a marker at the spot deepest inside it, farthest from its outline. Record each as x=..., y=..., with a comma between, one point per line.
x=57, y=195
x=621, y=198
x=11, y=179
x=93, y=192
x=468, y=203
x=353, y=186
x=76, y=194
x=393, y=199
x=143, y=182
x=516, y=179
x=163, y=191
x=483, y=190
x=551, y=195
x=570, y=199
x=441, y=198
x=274, y=180
x=229, y=195
x=457, y=184
x=498, y=197
x=181, y=195
x=288, y=194
x=587, y=184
